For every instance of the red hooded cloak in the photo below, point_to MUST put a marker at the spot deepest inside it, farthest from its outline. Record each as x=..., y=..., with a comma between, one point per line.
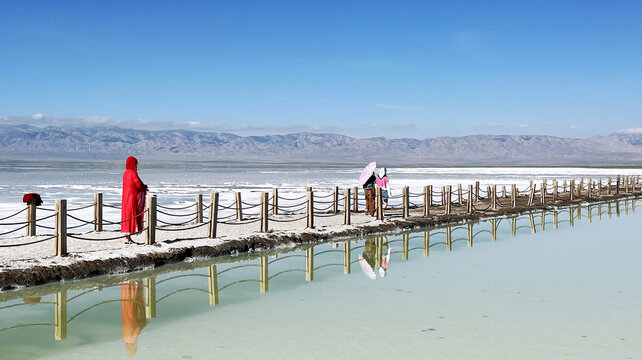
x=130, y=207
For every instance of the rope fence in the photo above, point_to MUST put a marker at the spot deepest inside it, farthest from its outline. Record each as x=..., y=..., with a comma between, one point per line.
x=445, y=200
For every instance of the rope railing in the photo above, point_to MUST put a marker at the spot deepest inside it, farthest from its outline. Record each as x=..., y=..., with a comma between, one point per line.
x=444, y=199
x=177, y=208
x=12, y=215
x=80, y=208
x=184, y=228
x=28, y=243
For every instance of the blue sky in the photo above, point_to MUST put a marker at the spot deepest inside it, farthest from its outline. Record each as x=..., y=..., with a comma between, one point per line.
x=372, y=68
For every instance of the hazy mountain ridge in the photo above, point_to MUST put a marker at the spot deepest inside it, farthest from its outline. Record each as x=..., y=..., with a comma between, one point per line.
x=114, y=143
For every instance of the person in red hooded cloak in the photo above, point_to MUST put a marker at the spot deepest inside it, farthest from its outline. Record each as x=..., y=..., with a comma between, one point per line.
x=133, y=202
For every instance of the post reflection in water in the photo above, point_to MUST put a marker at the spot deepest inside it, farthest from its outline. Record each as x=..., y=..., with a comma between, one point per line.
x=138, y=297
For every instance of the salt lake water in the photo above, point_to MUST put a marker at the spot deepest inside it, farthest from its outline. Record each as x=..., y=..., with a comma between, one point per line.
x=177, y=183
x=541, y=286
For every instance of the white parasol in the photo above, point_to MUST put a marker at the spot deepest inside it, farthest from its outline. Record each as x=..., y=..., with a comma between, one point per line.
x=367, y=172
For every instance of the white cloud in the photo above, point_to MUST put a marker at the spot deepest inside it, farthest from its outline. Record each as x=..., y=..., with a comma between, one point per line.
x=493, y=125
x=389, y=106
x=194, y=123
x=632, y=131
x=573, y=127
x=522, y=126
x=37, y=116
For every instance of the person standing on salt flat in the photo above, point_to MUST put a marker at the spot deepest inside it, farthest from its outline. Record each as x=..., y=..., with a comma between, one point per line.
x=133, y=202
x=382, y=182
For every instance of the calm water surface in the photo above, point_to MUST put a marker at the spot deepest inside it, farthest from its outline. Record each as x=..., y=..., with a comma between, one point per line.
x=535, y=292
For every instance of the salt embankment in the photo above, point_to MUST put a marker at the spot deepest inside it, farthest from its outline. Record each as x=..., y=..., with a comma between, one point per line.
x=36, y=264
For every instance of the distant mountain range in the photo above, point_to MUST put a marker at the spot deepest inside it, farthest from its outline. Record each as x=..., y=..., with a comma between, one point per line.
x=30, y=142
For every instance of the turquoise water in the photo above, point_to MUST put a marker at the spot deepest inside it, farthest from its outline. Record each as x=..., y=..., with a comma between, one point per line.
x=530, y=289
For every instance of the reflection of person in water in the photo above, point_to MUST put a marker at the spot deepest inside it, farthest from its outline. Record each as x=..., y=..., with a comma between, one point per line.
x=132, y=307
x=373, y=258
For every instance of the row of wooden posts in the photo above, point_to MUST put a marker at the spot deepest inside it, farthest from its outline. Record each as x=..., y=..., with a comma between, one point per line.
x=60, y=312
x=593, y=189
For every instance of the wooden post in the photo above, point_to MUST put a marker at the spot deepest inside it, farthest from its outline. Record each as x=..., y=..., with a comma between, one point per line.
x=555, y=193
x=61, y=227
x=617, y=185
x=448, y=200
x=335, y=200
x=532, y=220
x=599, y=187
x=309, y=264
x=211, y=230
x=426, y=242
x=513, y=226
x=542, y=222
x=589, y=189
x=239, y=206
x=60, y=315
x=476, y=191
x=212, y=284
x=489, y=193
x=513, y=195
x=443, y=197
x=580, y=188
x=531, y=197
x=264, y=275
x=589, y=215
x=199, y=208
x=275, y=201
x=460, y=195
x=571, y=189
x=608, y=187
x=494, y=198
x=555, y=220
x=150, y=297
x=564, y=187
x=98, y=212
x=571, y=219
x=427, y=199
x=470, y=199
x=406, y=201
x=346, y=257
x=504, y=191
x=151, y=220
x=626, y=184
x=355, y=200
x=310, y=208
x=31, y=219
x=264, y=213
x=379, y=204
x=543, y=192
x=346, y=206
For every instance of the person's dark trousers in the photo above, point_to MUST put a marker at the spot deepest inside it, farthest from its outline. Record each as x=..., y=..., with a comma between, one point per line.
x=370, y=201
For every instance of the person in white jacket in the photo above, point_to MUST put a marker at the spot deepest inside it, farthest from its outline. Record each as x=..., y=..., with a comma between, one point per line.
x=382, y=182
